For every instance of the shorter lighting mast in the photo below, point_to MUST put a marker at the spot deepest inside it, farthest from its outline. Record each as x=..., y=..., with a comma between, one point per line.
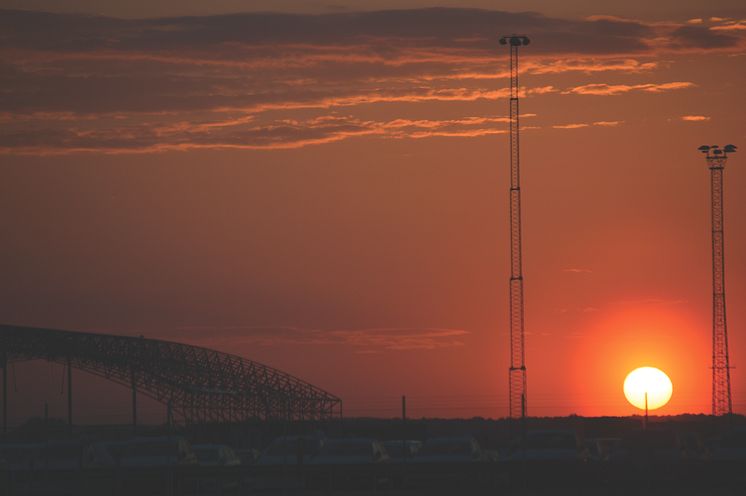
x=721, y=394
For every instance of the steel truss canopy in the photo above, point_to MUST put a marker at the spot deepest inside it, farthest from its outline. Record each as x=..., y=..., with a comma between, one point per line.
x=197, y=384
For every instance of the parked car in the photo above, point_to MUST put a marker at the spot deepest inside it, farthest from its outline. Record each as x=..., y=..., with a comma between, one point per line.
x=157, y=452
x=651, y=445
x=215, y=455
x=61, y=455
x=450, y=464
x=354, y=451
x=601, y=449
x=99, y=455
x=19, y=456
x=549, y=445
x=114, y=450
x=691, y=445
x=400, y=450
x=288, y=450
x=355, y=463
x=729, y=447
x=248, y=456
x=450, y=450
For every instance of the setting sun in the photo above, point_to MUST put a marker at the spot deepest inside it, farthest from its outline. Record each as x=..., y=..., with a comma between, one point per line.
x=648, y=380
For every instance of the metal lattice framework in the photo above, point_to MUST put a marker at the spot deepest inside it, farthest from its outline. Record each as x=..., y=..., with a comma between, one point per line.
x=517, y=372
x=197, y=384
x=721, y=392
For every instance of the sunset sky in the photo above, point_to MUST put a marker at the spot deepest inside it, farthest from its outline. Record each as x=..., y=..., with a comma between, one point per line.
x=324, y=189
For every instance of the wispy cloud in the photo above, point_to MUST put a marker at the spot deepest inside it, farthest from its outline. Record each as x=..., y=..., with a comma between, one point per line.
x=577, y=270
x=695, y=118
x=604, y=89
x=581, y=125
x=571, y=126
x=546, y=66
x=729, y=25
x=147, y=136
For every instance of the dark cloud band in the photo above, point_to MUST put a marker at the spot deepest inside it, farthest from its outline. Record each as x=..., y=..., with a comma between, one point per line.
x=76, y=82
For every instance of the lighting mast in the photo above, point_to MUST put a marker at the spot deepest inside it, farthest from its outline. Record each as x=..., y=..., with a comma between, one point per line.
x=721, y=397
x=517, y=371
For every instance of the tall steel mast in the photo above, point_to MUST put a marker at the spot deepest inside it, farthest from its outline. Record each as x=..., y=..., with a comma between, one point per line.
x=517, y=372
x=721, y=395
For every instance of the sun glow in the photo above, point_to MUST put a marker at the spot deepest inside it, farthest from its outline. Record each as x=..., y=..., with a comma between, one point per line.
x=648, y=380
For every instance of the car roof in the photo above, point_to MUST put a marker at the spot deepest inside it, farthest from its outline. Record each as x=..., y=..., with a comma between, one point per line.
x=351, y=440
x=295, y=438
x=158, y=439
x=453, y=439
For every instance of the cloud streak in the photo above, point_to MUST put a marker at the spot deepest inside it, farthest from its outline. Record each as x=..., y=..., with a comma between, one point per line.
x=581, y=125
x=603, y=89
x=731, y=26
x=577, y=270
x=148, y=137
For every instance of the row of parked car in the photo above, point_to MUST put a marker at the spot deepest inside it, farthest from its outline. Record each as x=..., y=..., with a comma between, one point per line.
x=135, y=453
x=668, y=446
x=286, y=450
x=545, y=445
x=316, y=449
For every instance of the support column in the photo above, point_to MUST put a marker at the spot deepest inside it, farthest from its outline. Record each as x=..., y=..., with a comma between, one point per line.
x=5, y=393
x=134, y=400
x=404, y=436
x=69, y=393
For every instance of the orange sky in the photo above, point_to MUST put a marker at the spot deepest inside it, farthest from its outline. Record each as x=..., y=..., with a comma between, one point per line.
x=328, y=195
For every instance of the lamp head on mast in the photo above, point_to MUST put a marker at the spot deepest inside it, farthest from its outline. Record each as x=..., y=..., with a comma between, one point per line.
x=714, y=151
x=515, y=40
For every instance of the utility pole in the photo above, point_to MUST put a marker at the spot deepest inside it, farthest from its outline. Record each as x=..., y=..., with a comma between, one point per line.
x=170, y=415
x=721, y=394
x=133, y=385
x=404, y=427
x=5, y=392
x=517, y=371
